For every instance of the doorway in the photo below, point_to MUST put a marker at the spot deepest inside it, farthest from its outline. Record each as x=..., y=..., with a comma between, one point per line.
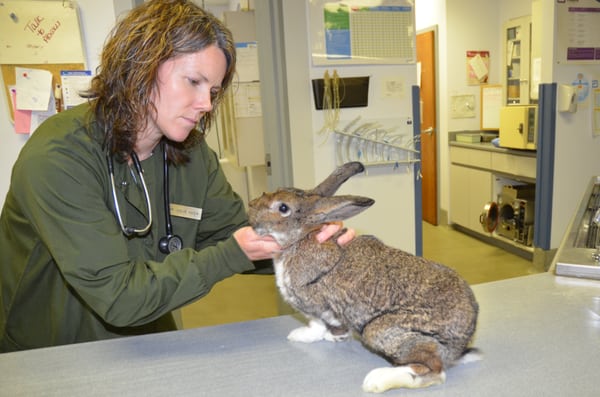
x=426, y=56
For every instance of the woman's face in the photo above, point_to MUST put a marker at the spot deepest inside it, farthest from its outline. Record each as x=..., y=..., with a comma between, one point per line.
x=185, y=86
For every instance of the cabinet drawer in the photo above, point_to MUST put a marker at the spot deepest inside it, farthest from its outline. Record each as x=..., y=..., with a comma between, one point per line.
x=472, y=157
x=514, y=165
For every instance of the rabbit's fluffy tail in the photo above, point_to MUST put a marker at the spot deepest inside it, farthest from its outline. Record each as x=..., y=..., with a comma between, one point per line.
x=470, y=355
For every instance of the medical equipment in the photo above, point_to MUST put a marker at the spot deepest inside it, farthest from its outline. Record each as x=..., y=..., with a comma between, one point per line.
x=170, y=242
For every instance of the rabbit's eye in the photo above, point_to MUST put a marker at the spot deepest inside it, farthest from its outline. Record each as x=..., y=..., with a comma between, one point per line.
x=284, y=209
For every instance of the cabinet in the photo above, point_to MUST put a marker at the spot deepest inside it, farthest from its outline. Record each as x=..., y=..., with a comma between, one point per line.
x=517, y=66
x=503, y=182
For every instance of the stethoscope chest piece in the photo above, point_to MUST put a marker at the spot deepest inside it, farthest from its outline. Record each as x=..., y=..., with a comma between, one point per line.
x=168, y=244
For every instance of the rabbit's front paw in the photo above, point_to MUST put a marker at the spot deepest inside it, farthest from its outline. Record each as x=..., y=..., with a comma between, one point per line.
x=313, y=332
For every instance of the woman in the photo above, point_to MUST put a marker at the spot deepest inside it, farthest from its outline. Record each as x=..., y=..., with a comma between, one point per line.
x=118, y=212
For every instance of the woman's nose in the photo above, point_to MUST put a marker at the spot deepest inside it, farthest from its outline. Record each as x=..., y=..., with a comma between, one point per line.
x=204, y=101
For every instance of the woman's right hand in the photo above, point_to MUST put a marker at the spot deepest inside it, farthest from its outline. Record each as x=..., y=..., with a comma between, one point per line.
x=256, y=247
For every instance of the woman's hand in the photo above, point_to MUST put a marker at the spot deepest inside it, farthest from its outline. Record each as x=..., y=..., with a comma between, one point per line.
x=328, y=230
x=256, y=247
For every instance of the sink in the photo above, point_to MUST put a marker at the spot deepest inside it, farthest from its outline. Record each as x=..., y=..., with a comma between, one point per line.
x=578, y=252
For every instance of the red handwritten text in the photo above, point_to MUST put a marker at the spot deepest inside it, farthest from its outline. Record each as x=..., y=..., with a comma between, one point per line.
x=45, y=33
x=32, y=26
x=51, y=31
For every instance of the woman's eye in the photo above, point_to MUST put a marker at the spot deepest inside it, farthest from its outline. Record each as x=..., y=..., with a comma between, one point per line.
x=193, y=81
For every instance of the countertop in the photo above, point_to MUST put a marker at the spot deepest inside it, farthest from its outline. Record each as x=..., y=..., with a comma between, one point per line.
x=539, y=334
x=488, y=146
x=485, y=143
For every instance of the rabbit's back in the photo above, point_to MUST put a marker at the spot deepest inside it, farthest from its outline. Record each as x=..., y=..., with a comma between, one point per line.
x=368, y=280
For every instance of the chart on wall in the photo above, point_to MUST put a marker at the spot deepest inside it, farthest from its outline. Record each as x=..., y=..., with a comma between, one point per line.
x=358, y=32
x=578, y=33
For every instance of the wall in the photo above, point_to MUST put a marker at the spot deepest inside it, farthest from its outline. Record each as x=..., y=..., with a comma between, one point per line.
x=577, y=150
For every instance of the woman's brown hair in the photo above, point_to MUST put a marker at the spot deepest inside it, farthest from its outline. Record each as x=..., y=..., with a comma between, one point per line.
x=146, y=37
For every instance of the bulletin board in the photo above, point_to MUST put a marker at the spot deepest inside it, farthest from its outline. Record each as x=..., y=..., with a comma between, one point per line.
x=39, y=34
x=9, y=77
x=491, y=102
x=357, y=32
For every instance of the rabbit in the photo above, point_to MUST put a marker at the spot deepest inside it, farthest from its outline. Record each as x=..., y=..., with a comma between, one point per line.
x=418, y=315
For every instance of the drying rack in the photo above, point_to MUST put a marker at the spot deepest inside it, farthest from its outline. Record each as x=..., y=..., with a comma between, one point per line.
x=376, y=147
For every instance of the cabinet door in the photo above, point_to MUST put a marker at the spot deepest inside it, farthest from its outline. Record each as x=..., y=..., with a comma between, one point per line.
x=517, y=65
x=480, y=193
x=470, y=190
x=459, y=195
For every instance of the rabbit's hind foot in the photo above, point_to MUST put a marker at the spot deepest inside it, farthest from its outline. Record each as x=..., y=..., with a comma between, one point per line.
x=386, y=378
x=315, y=331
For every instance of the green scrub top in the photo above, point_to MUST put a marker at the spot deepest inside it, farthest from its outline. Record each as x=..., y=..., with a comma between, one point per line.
x=68, y=274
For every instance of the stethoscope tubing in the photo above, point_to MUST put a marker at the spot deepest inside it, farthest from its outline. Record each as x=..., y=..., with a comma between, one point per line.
x=130, y=231
x=169, y=243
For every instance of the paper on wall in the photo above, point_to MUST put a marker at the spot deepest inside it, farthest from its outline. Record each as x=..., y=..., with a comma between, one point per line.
x=74, y=82
x=22, y=118
x=34, y=88
x=479, y=67
x=27, y=121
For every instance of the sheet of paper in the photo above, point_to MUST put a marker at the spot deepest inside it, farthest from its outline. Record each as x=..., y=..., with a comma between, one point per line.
x=27, y=121
x=478, y=67
x=247, y=61
x=34, y=88
x=73, y=83
x=247, y=100
x=22, y=118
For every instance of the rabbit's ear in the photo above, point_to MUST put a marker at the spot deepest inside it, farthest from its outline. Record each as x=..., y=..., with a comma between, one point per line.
x=338, y=208
x=331, y=184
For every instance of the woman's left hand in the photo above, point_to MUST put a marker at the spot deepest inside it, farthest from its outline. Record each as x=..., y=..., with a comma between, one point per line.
x=328, y=230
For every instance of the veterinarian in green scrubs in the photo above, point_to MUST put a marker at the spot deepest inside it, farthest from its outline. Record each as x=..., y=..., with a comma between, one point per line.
x=118, y=212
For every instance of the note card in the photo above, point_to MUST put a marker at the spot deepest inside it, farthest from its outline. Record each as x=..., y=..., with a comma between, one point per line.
x=34, y=88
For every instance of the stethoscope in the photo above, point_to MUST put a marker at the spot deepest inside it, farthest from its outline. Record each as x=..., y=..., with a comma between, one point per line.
x=170, y=242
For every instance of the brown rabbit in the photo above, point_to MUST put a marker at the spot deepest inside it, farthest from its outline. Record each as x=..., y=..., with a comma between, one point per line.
x=417, y=314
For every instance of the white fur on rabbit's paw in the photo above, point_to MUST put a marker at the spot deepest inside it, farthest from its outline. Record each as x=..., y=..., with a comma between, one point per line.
x=385, y=378
x=313, y=332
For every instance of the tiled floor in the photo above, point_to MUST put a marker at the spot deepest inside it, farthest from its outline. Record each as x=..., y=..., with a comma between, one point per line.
x=249, y=297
